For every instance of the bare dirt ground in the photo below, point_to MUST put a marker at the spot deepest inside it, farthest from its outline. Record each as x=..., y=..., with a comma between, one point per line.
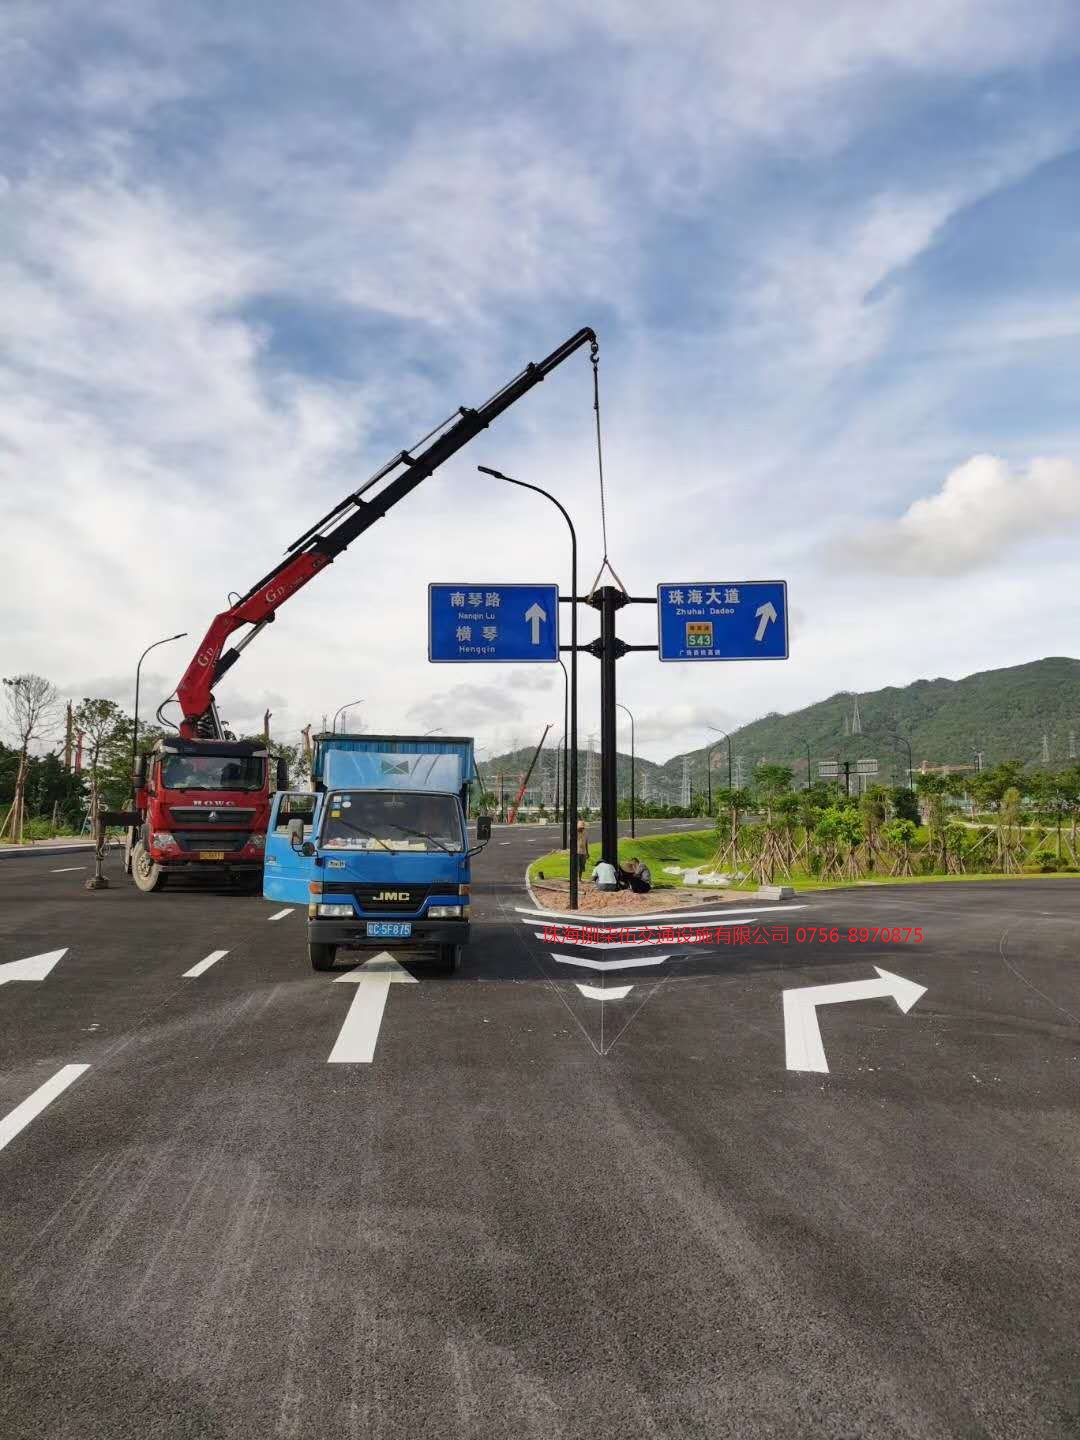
x=555, y=894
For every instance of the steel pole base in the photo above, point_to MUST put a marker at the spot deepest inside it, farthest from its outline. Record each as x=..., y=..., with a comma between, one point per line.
x=96, y=882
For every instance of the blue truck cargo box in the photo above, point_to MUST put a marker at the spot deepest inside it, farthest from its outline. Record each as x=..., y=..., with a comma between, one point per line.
x=392, y=762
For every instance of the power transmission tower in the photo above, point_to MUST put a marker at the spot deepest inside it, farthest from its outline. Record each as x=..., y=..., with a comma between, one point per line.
x=591, y=777
x=684, y=794
x=738, y=768
x=856, y=719
x=1072, y=744
x=1046, y=750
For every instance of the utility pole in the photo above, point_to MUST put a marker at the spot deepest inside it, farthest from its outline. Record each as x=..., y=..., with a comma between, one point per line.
x=69, y=734
x=266, y=727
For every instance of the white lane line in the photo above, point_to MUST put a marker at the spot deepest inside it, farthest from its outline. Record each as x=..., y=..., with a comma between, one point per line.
x=67, y=869
x=33, y=1105
x=281, y=915
x=211, y=959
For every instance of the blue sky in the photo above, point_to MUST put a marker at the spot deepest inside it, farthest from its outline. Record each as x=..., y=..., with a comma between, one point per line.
x=830, y=252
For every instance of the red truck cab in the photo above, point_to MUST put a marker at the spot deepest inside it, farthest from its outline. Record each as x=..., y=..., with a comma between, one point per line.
x=203, y=808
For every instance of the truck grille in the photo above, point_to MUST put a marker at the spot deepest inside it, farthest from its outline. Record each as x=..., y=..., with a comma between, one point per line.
x=212, y=839
x=366, y=895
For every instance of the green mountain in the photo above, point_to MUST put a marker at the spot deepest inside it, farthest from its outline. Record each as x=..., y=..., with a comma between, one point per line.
x=1004, y=714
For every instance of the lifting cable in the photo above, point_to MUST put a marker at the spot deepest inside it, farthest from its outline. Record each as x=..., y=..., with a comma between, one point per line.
x=605, y=563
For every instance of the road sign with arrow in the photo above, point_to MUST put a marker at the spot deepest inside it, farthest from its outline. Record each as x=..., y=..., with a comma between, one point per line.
x=723, y=620
x=489, y=621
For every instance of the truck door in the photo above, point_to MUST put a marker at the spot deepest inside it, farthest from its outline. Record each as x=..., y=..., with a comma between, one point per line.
x=287, y=873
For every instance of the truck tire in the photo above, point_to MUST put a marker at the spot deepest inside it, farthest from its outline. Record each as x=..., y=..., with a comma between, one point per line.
x=450, y=959
x=322, y=957
x=148, y=877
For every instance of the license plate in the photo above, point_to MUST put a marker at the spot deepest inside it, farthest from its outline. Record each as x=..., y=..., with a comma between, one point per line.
x=389, y=929
x=211, y=854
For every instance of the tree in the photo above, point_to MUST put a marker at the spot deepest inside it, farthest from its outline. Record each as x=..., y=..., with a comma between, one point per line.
x=104, y=726
x=31, y=703
x=905, y=804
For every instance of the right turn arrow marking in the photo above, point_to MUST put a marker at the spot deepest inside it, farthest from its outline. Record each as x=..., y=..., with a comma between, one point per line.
x=802, y=1033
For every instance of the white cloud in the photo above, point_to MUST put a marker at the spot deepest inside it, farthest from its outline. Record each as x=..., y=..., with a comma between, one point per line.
x=984, y=508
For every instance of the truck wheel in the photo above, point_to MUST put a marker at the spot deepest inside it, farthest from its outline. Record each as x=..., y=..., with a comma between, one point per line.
x=450, y=959
x=148, y=877
x=322, y=957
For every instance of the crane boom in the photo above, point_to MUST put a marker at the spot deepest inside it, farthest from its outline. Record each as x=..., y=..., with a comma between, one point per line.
x=320, y=545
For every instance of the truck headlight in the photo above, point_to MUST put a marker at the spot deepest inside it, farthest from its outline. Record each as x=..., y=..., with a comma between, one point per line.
x=444, y=912
x=335, y=912
x=163, y=840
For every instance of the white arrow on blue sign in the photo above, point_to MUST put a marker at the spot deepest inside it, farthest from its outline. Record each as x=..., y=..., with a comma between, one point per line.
x=723, y=620
x=493, y=623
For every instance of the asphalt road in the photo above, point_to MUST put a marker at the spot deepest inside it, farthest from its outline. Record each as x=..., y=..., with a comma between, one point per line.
x=538, y=1211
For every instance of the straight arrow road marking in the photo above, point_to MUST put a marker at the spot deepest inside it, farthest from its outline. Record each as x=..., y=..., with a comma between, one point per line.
x=357, y=1038
x=281, y=915
x=35, y=967
x=802, y=1033
x=33, y=1105
x=203, y=965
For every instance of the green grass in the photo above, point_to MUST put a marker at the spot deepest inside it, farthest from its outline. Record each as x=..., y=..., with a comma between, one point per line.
x=687, y=849
x=690, y=848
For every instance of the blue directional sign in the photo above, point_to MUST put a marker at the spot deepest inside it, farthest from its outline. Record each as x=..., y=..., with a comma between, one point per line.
x=723, y=620
x=492, y=622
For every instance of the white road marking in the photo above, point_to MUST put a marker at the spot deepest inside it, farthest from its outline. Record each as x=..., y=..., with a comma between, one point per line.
x=33, y=1105
x=35, y=967
x=597, y=992
x=802, y=1033
x=67, y=869
x=627, y=964
x=281, y=915
x=358, y=1036
x=584, y=917
x=211, y=959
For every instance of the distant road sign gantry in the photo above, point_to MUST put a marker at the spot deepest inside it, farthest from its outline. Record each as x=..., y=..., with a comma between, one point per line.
x=723, y=620
x=496, y=623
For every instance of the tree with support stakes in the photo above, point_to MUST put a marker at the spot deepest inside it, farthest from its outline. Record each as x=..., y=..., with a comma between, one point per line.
x=32, y=704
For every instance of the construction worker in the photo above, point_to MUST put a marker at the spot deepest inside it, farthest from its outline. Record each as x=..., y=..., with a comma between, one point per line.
x=581, y=849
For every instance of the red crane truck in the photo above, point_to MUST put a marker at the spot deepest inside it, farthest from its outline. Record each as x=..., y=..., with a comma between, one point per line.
x=202, y=797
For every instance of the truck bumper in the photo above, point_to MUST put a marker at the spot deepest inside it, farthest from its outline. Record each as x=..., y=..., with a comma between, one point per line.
x=176, y=866
x=352, y=934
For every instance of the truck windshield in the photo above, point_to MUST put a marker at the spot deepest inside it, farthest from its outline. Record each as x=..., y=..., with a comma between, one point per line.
x=212, y=772
x=390, y=820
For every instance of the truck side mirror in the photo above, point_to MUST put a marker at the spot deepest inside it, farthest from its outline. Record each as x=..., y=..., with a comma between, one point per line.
x=483, y=827
x=295, y=832
x=282, y=773
x=138, y=774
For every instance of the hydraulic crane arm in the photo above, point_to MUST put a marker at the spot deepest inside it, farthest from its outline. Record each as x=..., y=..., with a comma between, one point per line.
x=325, y=540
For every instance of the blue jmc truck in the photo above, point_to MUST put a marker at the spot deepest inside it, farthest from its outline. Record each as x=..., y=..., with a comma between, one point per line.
x=378, y=850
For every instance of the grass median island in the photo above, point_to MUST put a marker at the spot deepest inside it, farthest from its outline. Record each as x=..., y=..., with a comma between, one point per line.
x=687, y=849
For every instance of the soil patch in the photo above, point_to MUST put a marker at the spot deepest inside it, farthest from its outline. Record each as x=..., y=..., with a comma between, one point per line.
x=555, y=895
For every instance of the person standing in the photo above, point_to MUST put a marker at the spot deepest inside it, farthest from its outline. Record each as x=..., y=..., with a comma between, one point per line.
x=581, y=849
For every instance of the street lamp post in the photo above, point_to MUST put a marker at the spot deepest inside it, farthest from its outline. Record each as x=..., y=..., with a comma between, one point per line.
x=565, y=723
x=717, y=731
x=333, y=723
x=138, y=669
x=573, y=788
x=633, y=776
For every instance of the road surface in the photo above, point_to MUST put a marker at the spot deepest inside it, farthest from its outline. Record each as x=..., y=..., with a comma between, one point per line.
x=560, y=1200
